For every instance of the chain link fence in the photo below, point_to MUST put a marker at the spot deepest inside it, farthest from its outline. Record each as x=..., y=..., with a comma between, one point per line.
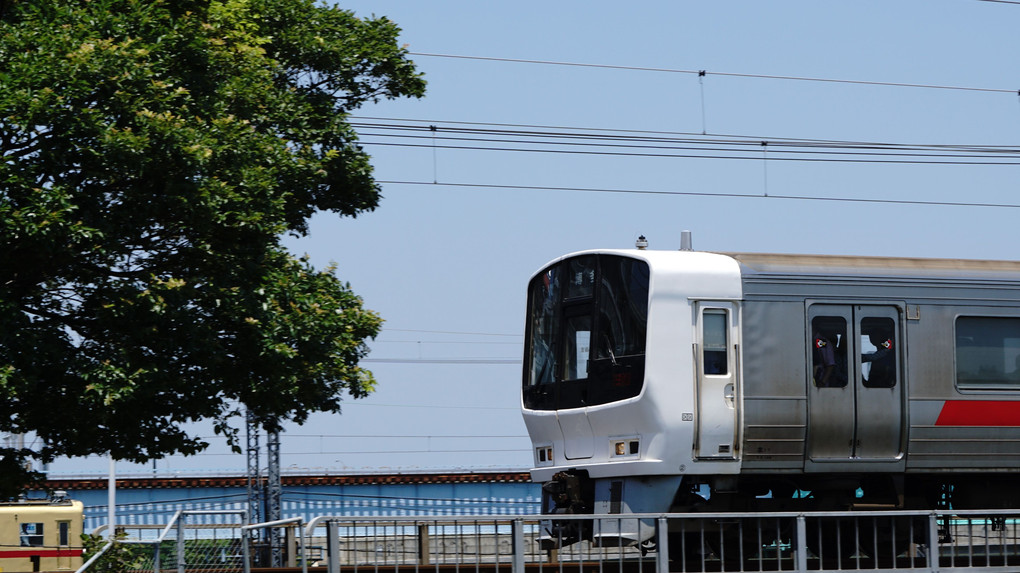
x=192, y=541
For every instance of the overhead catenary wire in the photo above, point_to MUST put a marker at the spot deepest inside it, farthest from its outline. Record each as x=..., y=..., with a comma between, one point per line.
x=706, y=194
x=703, y=147
x=703, y=73
x=457, y=332
x=754, y=138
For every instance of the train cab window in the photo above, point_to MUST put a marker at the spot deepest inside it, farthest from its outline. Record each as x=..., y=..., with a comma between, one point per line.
x=580, y=277
x=987, y=352
x=622, y=309
x=878, y=352
x=578, y=342
x=544, y=298
x=586, y=332
x=31, y=535
x=714, y=342
x=828, y=350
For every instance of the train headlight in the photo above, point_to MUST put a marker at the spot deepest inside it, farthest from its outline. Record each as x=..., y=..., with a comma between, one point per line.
x=544, y=455
x=628, y=447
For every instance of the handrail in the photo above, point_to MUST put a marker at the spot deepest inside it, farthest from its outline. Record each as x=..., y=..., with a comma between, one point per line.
x=95, y=557
x=278, y=523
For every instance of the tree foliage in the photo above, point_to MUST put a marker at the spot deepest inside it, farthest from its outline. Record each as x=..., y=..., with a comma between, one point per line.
x=154, y=154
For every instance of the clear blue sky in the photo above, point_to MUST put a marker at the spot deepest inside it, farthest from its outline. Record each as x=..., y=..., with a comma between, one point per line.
x=446, y=266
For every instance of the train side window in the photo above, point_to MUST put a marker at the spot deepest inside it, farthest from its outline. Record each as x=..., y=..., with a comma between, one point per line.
x=987, y=352
x=713, y=326
x=878, y=352
x=31, y=535
x=828, y=350
x=63, y=533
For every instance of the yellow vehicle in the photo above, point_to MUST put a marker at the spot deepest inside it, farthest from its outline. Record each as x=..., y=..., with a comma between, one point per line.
x=40, y=535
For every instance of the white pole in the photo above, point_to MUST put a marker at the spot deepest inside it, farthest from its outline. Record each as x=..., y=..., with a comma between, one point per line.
x=111, y=489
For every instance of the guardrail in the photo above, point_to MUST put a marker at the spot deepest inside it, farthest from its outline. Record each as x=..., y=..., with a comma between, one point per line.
x=647, y=543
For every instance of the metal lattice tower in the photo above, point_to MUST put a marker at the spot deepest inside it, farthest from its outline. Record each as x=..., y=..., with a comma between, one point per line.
x=273, y=495
x=254, y=474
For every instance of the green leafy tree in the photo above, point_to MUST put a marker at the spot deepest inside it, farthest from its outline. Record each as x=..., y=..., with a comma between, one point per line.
x=154, y=154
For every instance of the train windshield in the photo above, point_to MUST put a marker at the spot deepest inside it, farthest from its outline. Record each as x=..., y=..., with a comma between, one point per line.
x=587, y=317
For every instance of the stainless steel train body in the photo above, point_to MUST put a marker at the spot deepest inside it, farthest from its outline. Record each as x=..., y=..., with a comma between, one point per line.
x=690, y=381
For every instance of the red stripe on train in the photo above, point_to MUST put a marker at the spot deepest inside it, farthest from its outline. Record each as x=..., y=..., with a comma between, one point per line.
x=40, y=552
x=979, y=413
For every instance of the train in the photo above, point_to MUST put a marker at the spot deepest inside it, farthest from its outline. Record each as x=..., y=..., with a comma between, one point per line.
x=41, y=535
x=662, y=381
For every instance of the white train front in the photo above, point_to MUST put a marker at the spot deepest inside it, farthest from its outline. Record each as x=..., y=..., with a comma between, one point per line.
x=662, y=381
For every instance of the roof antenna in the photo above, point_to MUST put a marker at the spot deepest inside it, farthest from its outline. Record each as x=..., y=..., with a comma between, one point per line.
x=685, y=241
x=641, y=243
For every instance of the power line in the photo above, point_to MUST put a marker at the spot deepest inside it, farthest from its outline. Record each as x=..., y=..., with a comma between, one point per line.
x=428, y=451
x=423, y=342
x=654, y=136
x=708, y=194
x=622, y=144
x=385, y=329
x=289, y=435
x=721, y=153
x=702, y=73
x=443, y=360
x=427, y=406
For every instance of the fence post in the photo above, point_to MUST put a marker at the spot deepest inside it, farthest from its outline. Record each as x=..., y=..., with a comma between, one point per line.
x=517, y=537
x=332, y=547
x=933, y=542
x=290, y=542
x=800, y=544
x=181, y=562
x=662, y=545
x=245, y=544
x=423, y=544
x=155, y=556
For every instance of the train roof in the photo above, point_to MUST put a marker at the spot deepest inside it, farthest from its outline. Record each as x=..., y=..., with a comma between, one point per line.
x=786, y=264
x=807, y=265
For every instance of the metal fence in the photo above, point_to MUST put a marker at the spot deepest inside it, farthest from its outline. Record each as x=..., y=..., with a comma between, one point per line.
x=817, y=541
x=192, y=541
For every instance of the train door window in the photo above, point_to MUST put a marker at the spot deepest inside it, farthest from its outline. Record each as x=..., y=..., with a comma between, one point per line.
x=63, y=533
x=714, y=343
x=828, y=349
x=31, y=535
x=878, y=352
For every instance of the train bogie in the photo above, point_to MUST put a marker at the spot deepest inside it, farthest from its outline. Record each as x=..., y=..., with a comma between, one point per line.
x=682, y=380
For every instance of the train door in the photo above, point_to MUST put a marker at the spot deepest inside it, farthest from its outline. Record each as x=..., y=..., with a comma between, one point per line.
x=855, y=386
x=717, y=380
